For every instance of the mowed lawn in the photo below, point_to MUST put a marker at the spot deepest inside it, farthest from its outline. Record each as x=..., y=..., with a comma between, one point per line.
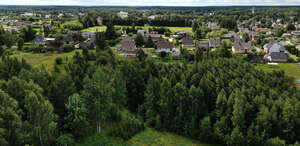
x=290, y=69
x=172, y=29
x=150, y=137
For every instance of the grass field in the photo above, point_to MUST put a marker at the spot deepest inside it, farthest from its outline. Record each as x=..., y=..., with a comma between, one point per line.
x=96, y=28
x=291, y=69
x=47, y=59
x=151, y=137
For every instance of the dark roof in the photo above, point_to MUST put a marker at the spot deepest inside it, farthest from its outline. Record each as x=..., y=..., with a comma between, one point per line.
x=241, y=46
x=203, y=44
x=67, y=38
x=39, y=39
x=128, y=44
x=187, y=41
x=165, y=45
x=86, y=44
x=214, y=42
x=279, y=56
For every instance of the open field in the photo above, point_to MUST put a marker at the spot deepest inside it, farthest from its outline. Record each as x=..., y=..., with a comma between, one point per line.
x=47, y=59
x=151, y=137
x=96, y=28
x=291, y=69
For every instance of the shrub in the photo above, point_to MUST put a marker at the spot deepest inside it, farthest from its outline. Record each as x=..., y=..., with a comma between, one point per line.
x=128, y=127
x=58, y=60
x=68, y=48
x=65, y=140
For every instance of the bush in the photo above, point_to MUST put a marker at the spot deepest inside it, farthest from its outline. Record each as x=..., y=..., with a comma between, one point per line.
x=65, y=140
x=68, y=48
x=128, y=127
x=58, y=60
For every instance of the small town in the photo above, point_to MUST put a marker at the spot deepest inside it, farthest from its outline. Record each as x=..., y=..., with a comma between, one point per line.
x=149, y=75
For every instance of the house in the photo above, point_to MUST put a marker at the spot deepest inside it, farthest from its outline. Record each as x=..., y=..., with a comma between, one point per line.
x=152, y=17
x=67, y=39
x=296, y=33
x=43, y=40
x=258, y=29
x=241, y=47
x=164, y=47
x=270, y=32
x=286, y=35
x=88, y=45
x=276, y=52
x=242, y=30
x=277, y=57
x=182, y=34
x=253, y=36
x=155, y=37
x=128, y=45
x=187, y=42
x=274, y=47
x=123, y=15
x=89, y=34
x=143, y=32
x=39, y=39
x=27, y=14
x=230, y=35
x=298, y=47
x=204, y=45
x=213, y=26
x=214, y=42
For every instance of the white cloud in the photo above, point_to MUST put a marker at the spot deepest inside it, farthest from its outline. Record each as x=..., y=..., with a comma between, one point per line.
x=151, y=2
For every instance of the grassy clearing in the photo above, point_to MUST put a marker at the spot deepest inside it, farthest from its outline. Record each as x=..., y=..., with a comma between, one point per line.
x=47, y=59
x=291, y=69
x=152, y=138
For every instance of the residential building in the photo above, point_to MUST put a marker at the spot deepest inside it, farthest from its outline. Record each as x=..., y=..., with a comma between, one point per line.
x=123, y=15
x=274, y=47
x=128, y=45
x=187, y=42
x=203, y=45
x=164, y=47
x=276, y=52
x=241, y=47
x=278, y=57
x=143, y=32
x=214, y=42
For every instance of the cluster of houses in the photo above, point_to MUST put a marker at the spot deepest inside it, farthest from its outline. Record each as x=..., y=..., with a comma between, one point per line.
x=68, y=39
x=129, y=48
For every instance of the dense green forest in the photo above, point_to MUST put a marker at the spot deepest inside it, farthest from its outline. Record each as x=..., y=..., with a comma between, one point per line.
x=214, y=99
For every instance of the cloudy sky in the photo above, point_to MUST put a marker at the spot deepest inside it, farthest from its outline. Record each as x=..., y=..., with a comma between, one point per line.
x=151, y=2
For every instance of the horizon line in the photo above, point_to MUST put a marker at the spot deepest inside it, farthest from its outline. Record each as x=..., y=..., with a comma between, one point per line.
x=275, y=5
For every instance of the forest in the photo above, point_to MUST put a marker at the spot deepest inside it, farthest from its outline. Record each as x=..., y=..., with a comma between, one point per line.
x=209, y=96
x=214, y=99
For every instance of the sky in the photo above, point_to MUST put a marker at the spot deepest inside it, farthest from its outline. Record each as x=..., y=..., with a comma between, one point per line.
x=150, y=2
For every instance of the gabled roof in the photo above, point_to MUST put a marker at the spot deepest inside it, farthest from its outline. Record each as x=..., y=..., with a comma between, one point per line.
x=165, y=45
x=128, y=44
x=274, y=47
x=214, y=42
x=187, y=41
x=241, y=46
x=279, y=56
x=39, y=39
